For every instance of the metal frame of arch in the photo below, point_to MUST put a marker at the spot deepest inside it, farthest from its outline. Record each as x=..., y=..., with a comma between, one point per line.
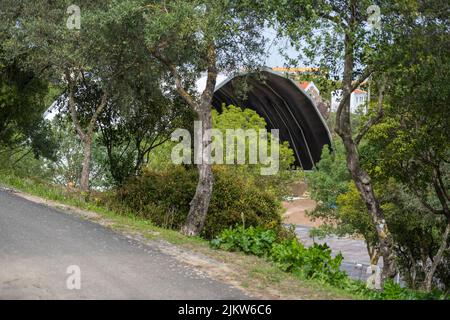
x=284, y=106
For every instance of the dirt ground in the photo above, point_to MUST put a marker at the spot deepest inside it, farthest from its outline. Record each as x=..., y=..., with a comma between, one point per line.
x=295, y=212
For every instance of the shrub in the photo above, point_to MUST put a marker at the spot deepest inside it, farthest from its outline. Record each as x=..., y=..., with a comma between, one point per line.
x=164, y=196
x=393, y=291
x=232, y=117
x=290, y=255
x=313, y=262
x=237, y=199
x=160, y=196
x=256, y=241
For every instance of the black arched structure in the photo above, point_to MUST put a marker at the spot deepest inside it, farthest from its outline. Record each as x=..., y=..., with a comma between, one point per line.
x=284, y=106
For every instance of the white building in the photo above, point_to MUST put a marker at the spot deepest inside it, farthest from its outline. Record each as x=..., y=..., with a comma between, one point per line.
x=358, y=98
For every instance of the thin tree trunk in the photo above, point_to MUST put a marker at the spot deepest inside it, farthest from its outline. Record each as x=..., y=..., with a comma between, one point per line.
x=365, y=188
x=374, y=255
x=413, y=269
x=437, y=260
x=200, y=203
x=85, y=136
x=85, y=172
x=360, y=177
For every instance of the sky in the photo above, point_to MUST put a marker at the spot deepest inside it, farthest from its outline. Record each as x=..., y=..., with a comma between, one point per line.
x=275, y=59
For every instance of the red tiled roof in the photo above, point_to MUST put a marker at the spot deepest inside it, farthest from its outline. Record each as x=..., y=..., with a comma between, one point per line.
x=303, y=84
x=359, y=91
x=295, y=70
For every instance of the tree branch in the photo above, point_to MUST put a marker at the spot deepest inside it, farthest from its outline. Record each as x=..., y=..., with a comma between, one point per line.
x=23, y=156
x=212, y=76
x=98, y=111
x=335, y=19
x=374, y=120
x=346, y=94
x=441, y=183
x=426, y=205
x=72, y=107
x=176, y=75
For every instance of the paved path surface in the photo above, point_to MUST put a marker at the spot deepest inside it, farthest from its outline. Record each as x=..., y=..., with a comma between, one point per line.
x=356, y=260
x=37, y=244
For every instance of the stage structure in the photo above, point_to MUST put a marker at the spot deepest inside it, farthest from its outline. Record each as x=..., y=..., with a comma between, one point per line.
x=284, y=106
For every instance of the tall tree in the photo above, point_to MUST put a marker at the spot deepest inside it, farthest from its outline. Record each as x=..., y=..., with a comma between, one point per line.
x=89, y=60
x=141, y=119
x=412, y=142
x=23, y=95
x=357, y=40
x=59, y=49
x=190, y=39
x=23, y=129
x=346, y=38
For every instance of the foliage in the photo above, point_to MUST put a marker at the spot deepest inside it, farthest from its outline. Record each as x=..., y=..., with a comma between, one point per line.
x=137, y=122
x=315, y=262
x=25, y=166
x=391, y=291
x=340, y=38
x=164, y=196
x=339, y=204
x=417, y=233
x=68, y=166
x=412, y=142
x=407, y=151
x=328, y=180
x=188, y=39
x=56, y=193
x=256, y=241
x=289, y=255
x=22, y=103
x=232, y=117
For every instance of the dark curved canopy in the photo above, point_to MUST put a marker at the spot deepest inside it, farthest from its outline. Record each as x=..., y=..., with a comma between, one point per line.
x=284, y=106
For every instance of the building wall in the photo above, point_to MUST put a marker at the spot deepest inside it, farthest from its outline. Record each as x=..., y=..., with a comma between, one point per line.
x=356, y=99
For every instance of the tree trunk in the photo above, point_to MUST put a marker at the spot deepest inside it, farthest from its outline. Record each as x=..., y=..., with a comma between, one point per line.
x=360, y=177
x=85, y=137
x=437, y=260
x=85, y=173
x=413, y=269
x=374, y=255
x=365, y=188
x=200, y=203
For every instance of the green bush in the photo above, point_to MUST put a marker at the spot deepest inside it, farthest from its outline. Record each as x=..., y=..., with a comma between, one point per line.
x=256, y=241
x=314, y=262
x=393, y=291
x=238, y=199
x=290, y=255
x=163, y=196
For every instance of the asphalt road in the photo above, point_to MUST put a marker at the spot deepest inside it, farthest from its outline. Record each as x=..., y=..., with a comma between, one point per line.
x=38, y=244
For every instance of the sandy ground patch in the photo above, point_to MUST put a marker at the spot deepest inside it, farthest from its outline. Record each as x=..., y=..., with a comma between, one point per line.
x=296, y=212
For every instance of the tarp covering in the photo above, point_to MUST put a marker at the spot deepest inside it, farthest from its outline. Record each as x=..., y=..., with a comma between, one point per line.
x=284, y=106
